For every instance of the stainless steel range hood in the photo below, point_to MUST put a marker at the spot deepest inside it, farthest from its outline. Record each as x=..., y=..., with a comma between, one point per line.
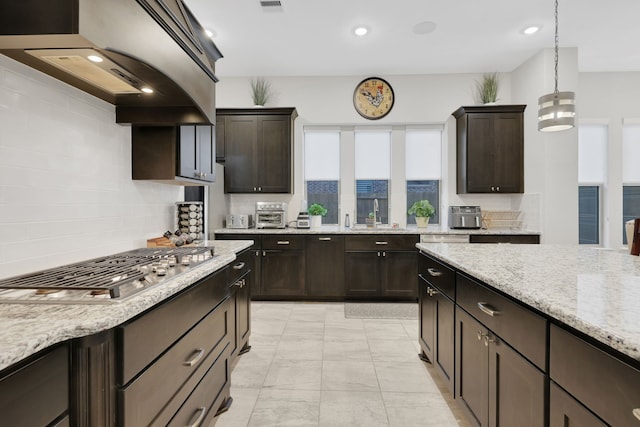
x=150, y=58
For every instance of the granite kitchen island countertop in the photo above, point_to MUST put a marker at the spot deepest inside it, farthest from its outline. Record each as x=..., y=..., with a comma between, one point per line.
x=595, y=291
x=29, y=328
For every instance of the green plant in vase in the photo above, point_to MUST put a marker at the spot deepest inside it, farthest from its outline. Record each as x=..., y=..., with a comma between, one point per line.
x=487, y=88
x=423, y=210
x=316, y=211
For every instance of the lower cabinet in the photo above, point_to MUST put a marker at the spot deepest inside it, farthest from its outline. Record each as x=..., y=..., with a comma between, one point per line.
x=241, y=282
x=283, y=266
x=325, y=267
x=608, y=386
x=494, y=384
x=436, y=329
x=381, y=267
x=36, y=393
x=565, y=411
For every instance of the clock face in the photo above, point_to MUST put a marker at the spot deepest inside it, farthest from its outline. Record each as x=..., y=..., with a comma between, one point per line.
x=373, y=98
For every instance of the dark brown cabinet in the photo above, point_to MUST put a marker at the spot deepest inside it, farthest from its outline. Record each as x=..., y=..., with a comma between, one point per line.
x=241, y=282
x=436, y=284
x=283, y=266
x=495, y=385
x=182, y=155
x=36, y=393
x=379, y=266
x=608, y=386
x=258, y=149
x=490, y=149
x=565, y=411
x=325, y=266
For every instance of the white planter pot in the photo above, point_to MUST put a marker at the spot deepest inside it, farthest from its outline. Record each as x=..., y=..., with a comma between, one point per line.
x=422, y=221
x=316, y=221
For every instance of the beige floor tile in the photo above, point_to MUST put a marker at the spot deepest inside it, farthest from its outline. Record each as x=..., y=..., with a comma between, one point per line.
x=294, y=374
x=299, y=348
x=356, y=376
x=346, y=351
x=286, y=408
x=392, y=350
x=244, y=400
x=408, y=376
x=352, y=408
x=384, y=330
x=417, y=409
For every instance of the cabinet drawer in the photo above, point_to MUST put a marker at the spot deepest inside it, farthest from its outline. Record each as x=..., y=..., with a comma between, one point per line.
x=37, y=393
x=202, y=405
x=145, y=338
x=604, y=384
x=514, y=323
x=241, y=266
x=150, y=392
x=438, y=274
x=381, y=242
x=563, y=408
x=282, y=242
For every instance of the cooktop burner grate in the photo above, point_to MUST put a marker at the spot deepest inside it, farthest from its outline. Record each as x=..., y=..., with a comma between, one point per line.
x=104, y=274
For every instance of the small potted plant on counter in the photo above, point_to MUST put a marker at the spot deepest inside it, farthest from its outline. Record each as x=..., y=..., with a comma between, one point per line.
x=316, y=211
x=423, y=210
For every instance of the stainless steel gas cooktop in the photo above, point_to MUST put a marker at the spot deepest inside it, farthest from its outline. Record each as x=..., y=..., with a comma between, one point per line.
x=112, y=278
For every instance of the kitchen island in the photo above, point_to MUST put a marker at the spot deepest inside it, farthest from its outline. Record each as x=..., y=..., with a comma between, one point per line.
x=557, y=326
x=104, y=357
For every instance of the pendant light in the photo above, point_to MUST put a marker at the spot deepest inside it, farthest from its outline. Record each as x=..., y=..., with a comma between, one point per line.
x=557, y=110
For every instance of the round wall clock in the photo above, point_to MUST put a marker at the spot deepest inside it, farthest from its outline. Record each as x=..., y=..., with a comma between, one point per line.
x=373, y=98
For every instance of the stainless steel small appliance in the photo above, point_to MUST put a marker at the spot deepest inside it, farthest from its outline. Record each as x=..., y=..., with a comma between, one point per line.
x=271, y=215
x=303, y=220
x=239, y=221
x=465, y=217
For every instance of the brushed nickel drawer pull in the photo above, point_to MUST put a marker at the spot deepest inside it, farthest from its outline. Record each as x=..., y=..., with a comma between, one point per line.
x=480, y=334
x=487, y=340
x=324, y=239
x=487, y=309
x=636, y=413
x=199, y=352
x=432, y=292
x=197, y=417
x=239, y=266
x=434, y=272
x=382, y=243
x=283, y=242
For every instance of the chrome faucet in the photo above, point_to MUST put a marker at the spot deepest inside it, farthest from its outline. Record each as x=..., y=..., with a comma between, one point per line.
x=376, y=208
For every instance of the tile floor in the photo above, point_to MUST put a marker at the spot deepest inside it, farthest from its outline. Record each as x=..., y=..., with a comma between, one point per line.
x=310, y=366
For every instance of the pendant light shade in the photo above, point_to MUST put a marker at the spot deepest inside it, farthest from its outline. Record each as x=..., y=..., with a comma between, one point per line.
x=557, y=110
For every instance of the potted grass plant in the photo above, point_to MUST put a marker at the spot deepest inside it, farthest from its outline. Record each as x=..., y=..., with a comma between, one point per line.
x=487, y=88
x=316, y=212
x=260, y=91
x=423, y=210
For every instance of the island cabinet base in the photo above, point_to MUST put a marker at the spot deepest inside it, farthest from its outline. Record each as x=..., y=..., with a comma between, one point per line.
x=171, y=365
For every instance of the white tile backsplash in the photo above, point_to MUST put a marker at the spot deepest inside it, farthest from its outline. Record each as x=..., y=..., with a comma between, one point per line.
x=66, y=192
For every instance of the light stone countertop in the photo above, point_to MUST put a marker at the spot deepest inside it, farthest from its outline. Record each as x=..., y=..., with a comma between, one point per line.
x=335, y=229
x=596, y=291
x=29, y=328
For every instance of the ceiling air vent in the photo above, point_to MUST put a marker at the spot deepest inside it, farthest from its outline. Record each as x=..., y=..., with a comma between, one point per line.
x=270, y=3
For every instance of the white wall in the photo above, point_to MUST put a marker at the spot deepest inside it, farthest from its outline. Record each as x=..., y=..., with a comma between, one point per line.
x=66, y=192
x=419, y=100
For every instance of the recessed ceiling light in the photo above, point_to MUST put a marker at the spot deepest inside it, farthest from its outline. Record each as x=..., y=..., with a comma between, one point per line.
x=424, y=27
x=532, y=29
x=360, y=31
x=94, y=58
x=147, y=90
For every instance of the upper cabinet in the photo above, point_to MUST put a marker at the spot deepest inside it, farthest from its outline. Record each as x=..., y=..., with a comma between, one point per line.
x=182, y=155
x=258, y=149
x=490, y=149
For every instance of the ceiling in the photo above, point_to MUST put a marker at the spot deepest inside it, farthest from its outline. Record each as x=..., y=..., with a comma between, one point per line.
x=315, y=38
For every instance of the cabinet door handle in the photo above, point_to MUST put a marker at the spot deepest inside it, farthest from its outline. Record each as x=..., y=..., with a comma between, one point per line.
x=382, y=243
x=256, y=189
x=384, y=254
x=257, y=253
x=434, y=272
x=432, y=292
x=487, y=340
x=239, y=283
x=239, y=266
x=636, y=413
x=283, y=242
x=497, y=188
x=197, y=417
x=264, y=253
x=259, y=188
x=487, y=309
x=198, y=353
x=324, y=239
x=480, y=335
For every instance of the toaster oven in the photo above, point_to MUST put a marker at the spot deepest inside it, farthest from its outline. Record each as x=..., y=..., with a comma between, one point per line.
x=271, y=215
